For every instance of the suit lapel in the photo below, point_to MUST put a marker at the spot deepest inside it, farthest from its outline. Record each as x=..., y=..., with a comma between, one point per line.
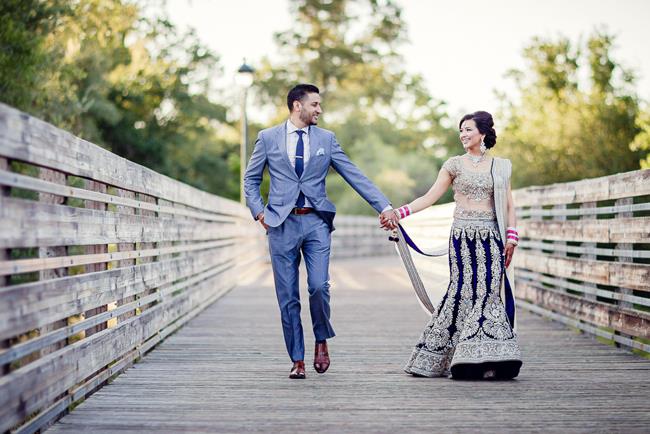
x=313, y=147
x=313, y=143
x=281, y=141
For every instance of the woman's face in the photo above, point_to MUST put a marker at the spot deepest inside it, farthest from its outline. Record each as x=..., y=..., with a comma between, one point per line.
x=470, y=136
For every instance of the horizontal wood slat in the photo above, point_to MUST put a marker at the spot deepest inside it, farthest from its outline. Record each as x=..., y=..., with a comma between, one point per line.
x=586, y=327
x=29, y=265
x=561, y=285
x=629, y=275
x=574, y=212
x=10, y=179
x=561, y=248
x=28, y=347
x=25, y=138
x=593, y=312
x=28, y=306
x=624, y=230
x=628, y=184
x=28, y=223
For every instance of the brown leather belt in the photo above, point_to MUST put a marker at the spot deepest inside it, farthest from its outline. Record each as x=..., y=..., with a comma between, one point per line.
x=301, y=211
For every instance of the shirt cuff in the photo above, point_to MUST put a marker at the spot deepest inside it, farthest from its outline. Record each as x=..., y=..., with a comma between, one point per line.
x=388, y=208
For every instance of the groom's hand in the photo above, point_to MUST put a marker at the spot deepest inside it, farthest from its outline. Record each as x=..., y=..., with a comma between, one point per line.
x=260, y=218
x=388, y=219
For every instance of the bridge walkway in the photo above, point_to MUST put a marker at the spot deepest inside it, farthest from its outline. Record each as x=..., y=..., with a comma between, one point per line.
x=226, y=371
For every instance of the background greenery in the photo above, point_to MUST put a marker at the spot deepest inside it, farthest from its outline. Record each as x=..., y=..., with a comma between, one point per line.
x=113, y=74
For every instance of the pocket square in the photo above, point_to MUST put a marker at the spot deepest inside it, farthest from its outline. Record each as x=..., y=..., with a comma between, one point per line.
x=320, y=151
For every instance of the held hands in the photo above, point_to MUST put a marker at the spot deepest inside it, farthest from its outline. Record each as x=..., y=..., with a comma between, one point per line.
x=388, y=220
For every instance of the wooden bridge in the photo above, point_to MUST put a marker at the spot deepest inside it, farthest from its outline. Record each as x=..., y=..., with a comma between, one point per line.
x=108, y=268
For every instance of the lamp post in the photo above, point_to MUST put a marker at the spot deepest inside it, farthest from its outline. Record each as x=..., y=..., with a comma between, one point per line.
x=245, y=80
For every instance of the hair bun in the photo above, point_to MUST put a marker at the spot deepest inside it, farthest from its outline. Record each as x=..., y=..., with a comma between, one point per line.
x=485, y=125
x=490, y=138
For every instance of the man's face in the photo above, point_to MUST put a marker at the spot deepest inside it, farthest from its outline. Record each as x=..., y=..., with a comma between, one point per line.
x=310, y=108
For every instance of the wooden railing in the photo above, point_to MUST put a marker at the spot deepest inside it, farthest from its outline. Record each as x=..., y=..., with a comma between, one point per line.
x=100, y=259
x=359, y=236
x=585, y=255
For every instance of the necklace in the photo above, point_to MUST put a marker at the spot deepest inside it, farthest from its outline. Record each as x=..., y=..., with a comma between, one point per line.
x=476, y=160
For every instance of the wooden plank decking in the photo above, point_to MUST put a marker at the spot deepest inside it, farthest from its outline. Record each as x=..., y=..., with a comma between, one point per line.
x=226, y=371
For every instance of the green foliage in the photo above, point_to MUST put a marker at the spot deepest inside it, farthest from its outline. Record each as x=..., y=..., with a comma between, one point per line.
x=29, y=64
x=138, y=86
x=134, y=85
x=563, y=129
x=384, y=118
x=641, y=142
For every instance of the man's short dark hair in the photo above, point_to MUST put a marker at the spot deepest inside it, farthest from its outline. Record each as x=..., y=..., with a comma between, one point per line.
x=298, y=93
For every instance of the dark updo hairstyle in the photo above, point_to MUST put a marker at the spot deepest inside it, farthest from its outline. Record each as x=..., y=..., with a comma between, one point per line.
x=485, y=125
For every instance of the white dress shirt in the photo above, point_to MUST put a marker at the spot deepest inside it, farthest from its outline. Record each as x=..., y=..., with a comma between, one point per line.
x=292, y=143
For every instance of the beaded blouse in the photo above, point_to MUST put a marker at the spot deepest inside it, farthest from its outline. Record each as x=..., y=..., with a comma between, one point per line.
x=473, y=188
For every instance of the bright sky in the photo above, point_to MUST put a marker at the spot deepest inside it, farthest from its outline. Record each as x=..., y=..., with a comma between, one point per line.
x=463, y=49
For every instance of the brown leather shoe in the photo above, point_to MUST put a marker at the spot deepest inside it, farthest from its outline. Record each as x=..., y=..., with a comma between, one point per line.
x=321, y=358
x=298, y=370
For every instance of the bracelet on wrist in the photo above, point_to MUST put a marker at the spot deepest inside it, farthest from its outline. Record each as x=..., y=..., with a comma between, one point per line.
x=403, y=211
x=512, y=236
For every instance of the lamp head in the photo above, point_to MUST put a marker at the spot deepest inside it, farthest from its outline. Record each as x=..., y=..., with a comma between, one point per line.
x=245, y=75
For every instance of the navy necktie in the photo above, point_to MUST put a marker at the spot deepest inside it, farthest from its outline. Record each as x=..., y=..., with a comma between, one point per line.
x=300, y=165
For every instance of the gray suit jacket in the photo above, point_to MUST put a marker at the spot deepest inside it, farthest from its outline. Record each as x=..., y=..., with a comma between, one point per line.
x=271, y=150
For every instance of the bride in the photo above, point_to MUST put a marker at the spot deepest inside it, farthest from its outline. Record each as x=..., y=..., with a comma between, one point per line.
x=470, y=334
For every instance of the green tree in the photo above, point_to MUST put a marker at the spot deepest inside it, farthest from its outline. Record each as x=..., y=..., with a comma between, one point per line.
x=561, y=129
x=384, y=117
x=29, y=63
x=641, y=142
x=132, y=83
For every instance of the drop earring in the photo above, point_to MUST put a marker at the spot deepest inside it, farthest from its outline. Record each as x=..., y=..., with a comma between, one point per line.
x=483, y=148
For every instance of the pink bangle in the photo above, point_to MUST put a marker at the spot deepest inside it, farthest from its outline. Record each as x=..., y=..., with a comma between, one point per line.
x=404, y=211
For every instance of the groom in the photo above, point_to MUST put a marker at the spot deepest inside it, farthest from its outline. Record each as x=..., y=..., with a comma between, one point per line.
x=299, y=217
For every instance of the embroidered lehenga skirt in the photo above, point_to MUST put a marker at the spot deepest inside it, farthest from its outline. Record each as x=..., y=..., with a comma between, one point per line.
x=469, y=332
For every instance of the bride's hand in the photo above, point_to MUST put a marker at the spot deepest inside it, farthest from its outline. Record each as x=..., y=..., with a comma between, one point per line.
x=510, y=250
